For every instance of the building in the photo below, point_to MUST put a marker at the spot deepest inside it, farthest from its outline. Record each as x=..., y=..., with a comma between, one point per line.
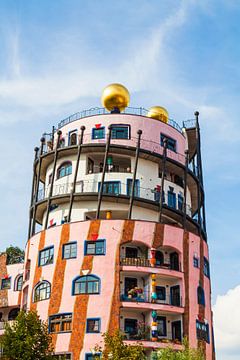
x=117, y=230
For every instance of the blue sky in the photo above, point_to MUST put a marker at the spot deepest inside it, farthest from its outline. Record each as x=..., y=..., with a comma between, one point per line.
x=56, y=56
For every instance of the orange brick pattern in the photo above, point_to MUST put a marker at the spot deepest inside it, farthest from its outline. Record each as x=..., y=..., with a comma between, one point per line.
x=186, y=282
x=38, y=269
x=3, y=273
x=58, y=278
x=158, y=236
x=81, y=302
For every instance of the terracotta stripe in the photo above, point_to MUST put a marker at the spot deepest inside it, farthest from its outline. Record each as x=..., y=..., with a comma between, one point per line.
x=3, y=273
x=38, y=269
x=186, y=282
x=201, y=308
x=58, y=278
x=158, y=235
x=126, y=236
x=81, y=302
x=19, y=298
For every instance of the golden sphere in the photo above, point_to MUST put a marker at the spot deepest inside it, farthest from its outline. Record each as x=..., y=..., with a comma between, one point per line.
x=115, y=96
x=158, y=113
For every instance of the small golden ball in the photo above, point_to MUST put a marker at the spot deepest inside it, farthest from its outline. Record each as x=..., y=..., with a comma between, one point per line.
x=158, y=113
x=115, y=96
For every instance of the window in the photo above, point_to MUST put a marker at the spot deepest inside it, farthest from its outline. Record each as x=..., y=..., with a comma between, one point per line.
x=62, y=356
x=6, y=284
x=13, y=314
x=171, y=199
x=42, y=291
x=136, y=188
x=64, y=170
x=157, y=192
x=200, y=296
x=70, y=250
x=111, y=187
x=161, y=293
x=161, y=326
x=206, y=268
x=96, y=356
x=18, y=283
x=180, y=202
x=171, y=143
x=195, y=261
x=159, y=258
x=131, y=326
x=46, y=256
x=131, y=252
x=120, y=132
x=49, y=179
x=93, y=325
x=95, y=247
x=72, y=138
x=89, y=284
x=60, y=323
x=98, y=133
x=202, y=331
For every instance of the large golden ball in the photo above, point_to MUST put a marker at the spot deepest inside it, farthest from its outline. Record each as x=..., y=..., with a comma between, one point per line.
x=158, y=113
x=115, y=96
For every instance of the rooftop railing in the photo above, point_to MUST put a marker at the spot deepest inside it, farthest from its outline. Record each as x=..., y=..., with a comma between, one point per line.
x=102, y=111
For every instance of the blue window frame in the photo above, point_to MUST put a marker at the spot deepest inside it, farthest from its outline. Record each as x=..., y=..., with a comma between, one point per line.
x=64, y=169
x=202, y=330
x=60, y=323
x=111, y=187
x=206, y=268
x=200, y=296
x=93, y=325
x=161, y=326
x=171, y=199
x=89, y=284
x=6, y=283
x=69, y=250
x=131, y=326
x=96, y=247
x=157, y=192
x=171, y=143
x=89, y=356
x=120, y=132
x=195, y=261
x=136, y=188
x=161, y=293
x=42, y=291
x=46, y=256
x=98, y=133
x=18, y=283
x=180, y=202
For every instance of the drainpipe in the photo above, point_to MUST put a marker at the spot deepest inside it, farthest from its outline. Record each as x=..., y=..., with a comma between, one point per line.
x=134, y=174
x=75, y=174
x=185, y=188
x=32, y=193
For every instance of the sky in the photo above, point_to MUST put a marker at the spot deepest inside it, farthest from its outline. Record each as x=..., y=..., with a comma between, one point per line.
x=56, y=56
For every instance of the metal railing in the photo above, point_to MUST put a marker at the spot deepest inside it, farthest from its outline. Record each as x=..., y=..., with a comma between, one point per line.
x=95, y=169
x=145, y=335
x=145, y=297
x=102, y=111
x=146, y=263
x=116, y=189
x=189, y=124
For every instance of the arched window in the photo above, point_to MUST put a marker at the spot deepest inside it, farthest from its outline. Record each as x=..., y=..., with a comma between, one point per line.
x=159, y=258
x=174, y=261
x=42, y=291
x=13, y=314
x=18, y=283
x=64, y=169
x=201, y=296
x=89, y=284
x=73, y=139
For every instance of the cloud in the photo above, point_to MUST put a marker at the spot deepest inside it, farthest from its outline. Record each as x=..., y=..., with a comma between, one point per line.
x=226, y=324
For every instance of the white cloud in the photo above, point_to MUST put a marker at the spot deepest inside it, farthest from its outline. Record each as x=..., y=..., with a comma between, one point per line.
x=226, y=325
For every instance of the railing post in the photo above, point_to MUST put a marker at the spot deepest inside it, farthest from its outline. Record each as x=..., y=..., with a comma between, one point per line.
x=75, y=174
x=100, y=193
x=199, y=174
x=162, y=178
x=37, y=186
x=134, y=174
x=59, y=133
x=36, y=149
x=185, y=188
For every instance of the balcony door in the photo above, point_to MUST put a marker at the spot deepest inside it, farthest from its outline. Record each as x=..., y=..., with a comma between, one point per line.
x=177, y=330
x=129, y=283
x=131, y=252
x=175, y=295
x=174, y=261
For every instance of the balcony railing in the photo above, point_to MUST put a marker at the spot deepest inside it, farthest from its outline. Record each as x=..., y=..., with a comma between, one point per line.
x=95, y=169
x=146, y=263
x=102, y=111
x=137, y=336
x=145, y=297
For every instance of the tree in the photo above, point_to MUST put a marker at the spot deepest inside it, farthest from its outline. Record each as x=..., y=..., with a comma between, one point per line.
x=186, y=354
x=115, y=349
x=15, y=255
x=27, y=339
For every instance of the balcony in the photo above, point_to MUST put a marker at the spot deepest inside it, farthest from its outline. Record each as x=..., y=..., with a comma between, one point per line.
x=115, y=164
x=141, y=262
x=140, y=296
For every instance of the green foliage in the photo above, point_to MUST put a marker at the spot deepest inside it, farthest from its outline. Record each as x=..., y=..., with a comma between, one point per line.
x=186, y=354
x=15, y=255
x=27, y=339
x=115, y=349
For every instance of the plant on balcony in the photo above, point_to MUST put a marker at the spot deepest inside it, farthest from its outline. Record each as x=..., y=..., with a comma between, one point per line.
x=171, y=354
x=135, y=292
x=115, y=349
x=143, y=331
